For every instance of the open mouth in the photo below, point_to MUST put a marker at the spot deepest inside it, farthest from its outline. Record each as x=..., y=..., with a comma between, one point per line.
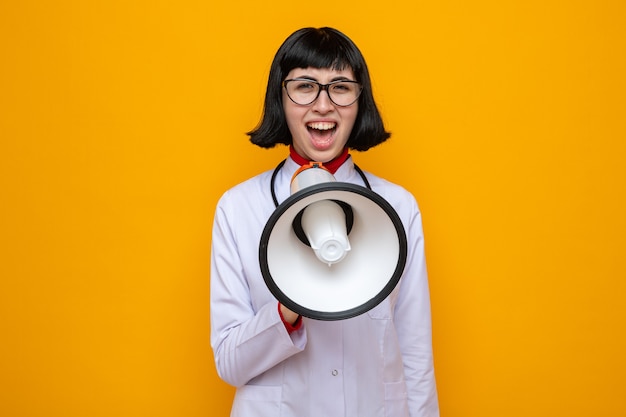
x=322, y=132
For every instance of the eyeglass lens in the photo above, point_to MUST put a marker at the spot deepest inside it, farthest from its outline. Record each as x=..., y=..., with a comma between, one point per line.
x=303, y=92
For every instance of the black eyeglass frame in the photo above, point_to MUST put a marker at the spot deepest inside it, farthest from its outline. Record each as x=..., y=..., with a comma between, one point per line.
x=323, y=87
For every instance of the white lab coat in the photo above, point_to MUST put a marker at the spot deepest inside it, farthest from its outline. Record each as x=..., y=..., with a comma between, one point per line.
x=377, y=364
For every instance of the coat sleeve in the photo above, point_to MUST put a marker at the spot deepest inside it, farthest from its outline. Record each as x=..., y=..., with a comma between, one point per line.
x=413, y=324
x=245, y=342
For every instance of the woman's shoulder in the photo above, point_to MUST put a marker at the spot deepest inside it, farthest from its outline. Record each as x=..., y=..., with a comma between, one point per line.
x=388, y=189
x=251, y=189
x=399, y=197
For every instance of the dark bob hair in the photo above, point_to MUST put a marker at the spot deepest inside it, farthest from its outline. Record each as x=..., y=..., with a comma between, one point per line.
x=318, y=48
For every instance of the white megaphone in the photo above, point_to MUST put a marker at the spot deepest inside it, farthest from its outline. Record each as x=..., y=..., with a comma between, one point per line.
x=331, y=250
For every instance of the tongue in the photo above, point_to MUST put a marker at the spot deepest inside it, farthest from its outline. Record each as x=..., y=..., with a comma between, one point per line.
x=321, y=138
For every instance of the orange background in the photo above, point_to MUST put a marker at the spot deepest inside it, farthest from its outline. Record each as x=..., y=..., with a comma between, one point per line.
x=122, y=122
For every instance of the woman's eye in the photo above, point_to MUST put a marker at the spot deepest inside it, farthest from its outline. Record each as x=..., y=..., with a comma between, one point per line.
x=304, y=86
x=341, y=88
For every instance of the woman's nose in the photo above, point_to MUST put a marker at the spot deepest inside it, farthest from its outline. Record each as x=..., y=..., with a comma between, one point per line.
x=323, y=104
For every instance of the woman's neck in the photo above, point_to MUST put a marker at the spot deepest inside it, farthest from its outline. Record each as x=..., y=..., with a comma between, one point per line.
x=332, y=165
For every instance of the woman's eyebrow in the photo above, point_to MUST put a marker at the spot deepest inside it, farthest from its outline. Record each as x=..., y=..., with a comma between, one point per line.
x=337, y=78
x=341, y=78
x=305, y=77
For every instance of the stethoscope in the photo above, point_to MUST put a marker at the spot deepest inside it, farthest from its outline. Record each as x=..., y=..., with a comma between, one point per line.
x=280, y=165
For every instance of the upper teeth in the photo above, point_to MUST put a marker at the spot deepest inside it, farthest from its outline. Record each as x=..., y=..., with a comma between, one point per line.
x=322, y=125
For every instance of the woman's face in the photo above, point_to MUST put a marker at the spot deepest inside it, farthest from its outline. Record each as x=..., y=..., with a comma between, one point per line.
x=319, y=130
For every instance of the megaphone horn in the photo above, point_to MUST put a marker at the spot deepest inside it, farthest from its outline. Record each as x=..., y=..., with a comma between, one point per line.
x=331, y=250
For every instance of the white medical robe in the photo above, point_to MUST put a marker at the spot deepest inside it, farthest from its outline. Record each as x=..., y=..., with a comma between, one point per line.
x=377, y=364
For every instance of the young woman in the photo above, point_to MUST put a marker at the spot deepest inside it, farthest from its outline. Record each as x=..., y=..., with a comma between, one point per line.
x=319, y=103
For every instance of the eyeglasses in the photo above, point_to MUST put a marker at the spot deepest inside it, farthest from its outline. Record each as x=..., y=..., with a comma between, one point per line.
x=303, y=91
